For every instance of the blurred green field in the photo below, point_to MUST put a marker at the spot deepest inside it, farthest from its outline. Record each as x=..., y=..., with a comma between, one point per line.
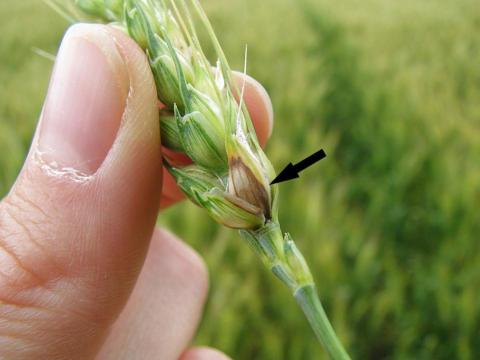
x=389, y=221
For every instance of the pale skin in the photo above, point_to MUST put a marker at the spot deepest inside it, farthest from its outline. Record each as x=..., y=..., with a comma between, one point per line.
x=84, y=271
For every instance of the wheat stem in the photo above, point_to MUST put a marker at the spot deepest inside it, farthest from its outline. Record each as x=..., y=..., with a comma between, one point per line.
x=309, y=301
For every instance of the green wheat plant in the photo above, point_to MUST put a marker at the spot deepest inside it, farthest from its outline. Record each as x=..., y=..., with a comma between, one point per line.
x=230, y=175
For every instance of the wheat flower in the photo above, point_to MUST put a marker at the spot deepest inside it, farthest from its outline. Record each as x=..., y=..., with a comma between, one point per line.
x=230, y=175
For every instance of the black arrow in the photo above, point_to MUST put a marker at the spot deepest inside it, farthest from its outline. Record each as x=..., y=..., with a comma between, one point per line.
x=291, y=171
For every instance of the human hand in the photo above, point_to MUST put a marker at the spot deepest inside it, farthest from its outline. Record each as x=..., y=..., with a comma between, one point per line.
x=84, y=273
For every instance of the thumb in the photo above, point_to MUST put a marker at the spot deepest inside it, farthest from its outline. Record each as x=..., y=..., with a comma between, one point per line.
x=75, y=227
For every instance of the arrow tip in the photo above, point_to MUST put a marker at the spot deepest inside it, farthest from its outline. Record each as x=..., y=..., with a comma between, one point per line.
x=286, y=174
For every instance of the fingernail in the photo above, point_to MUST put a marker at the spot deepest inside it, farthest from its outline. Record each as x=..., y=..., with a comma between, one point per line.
x=258, y=104
x=85, y=102
x=261, y=94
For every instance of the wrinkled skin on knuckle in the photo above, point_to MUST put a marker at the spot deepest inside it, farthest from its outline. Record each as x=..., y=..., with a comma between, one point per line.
x=33, y=278
x=35, y=220
x=26, y=261
x=56, y=291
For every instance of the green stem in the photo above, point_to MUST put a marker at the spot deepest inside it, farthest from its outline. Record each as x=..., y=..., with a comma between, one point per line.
x=280, y=254
x=308, y=300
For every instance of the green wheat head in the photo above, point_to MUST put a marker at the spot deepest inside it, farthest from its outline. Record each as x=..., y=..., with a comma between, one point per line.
x=201, y=118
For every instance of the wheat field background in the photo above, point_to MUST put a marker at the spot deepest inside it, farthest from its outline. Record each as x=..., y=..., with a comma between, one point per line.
x=389, y=222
